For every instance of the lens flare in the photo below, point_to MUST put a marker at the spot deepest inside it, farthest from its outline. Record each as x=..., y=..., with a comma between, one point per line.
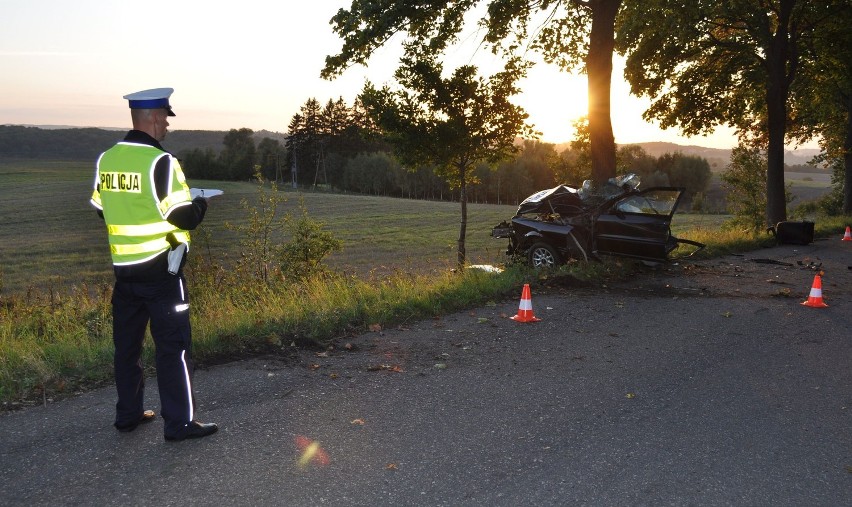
x=310, y=451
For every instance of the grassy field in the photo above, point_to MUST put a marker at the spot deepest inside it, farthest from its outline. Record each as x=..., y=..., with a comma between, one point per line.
x=51, y=236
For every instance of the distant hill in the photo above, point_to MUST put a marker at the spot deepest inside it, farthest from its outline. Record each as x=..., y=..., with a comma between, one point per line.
x=717, y=157
x=74, y=143
x=799, y=156
x=661, y=148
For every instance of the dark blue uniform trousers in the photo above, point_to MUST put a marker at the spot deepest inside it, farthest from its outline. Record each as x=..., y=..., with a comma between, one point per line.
x=166, y=305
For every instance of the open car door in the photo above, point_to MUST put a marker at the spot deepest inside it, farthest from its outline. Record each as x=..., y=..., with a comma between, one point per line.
x=638, y=225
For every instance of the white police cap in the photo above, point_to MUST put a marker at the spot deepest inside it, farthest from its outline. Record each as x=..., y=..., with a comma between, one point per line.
x=155, y=98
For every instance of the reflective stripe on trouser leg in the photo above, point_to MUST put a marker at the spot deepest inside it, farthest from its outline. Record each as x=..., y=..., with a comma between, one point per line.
x=188, y=384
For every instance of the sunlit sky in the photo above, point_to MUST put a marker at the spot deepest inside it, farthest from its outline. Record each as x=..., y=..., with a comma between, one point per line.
x=251, y=63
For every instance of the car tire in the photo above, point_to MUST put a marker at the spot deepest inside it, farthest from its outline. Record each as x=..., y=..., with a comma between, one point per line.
x=542, y=255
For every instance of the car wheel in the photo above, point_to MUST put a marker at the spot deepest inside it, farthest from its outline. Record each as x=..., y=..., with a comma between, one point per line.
x=542, y=255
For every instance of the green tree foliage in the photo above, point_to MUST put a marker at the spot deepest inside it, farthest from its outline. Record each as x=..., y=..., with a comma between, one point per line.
x=688, y=171
x=453, y=123
x=60, y=144
x=705, y=64
x=334, y=122
x=822, y=104
x=269, y=157
x=258, y=250
x=510, y=183
x=87, y=143
x=371, y=173
x=633, y=159
x=516, y=178
x=745, y=180
x=238, y=156
x=574, y=34
x=202, y=163
x=304, y=145
x=538, y=160
x=631, y=156
x=577, y=166
x=320, y=135
x=831, y=203
x=691, y=172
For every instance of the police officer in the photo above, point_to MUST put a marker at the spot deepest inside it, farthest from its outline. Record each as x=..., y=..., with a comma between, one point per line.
x=142, y=195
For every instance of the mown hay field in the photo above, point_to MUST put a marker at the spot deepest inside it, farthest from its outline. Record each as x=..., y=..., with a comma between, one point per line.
x=52, y=237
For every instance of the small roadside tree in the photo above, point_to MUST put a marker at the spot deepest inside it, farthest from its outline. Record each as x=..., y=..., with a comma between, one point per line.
x=451, y=123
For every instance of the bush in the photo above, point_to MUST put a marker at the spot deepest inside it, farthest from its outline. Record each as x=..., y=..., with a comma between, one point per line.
x=745, y=181
x=309, y=244
x=264, y=258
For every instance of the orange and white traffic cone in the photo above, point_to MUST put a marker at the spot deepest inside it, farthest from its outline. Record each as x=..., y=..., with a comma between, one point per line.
x=525, y=311
x=815, y=297
x=847, y=236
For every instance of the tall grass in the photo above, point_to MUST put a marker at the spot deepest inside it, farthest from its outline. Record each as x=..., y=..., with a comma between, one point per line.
x=52, y=345
x=54, y=342
x=720, y=241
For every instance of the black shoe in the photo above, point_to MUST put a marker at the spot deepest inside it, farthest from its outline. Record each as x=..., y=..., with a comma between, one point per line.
x=194, y=429
x=146, y=417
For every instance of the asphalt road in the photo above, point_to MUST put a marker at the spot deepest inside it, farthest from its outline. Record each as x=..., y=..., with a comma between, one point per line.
x=694, y=384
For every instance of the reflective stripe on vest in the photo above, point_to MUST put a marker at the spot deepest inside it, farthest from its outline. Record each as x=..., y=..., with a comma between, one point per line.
x=171, y=200
x=141, y=230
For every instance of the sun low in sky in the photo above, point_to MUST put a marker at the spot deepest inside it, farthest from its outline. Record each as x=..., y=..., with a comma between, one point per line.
x=248, y=64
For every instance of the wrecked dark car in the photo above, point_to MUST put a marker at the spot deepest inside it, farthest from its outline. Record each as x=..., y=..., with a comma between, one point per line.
x=566, y=223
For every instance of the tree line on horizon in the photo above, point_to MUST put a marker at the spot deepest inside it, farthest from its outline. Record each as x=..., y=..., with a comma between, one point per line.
x=331, y=148
x=335, y=148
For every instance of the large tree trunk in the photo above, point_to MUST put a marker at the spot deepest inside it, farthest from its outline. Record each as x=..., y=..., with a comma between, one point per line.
x=776, y=202
x=599, y=69
x=781, y=67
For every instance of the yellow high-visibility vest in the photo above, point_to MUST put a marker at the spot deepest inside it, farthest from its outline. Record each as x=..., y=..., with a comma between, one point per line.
x=135, y=217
